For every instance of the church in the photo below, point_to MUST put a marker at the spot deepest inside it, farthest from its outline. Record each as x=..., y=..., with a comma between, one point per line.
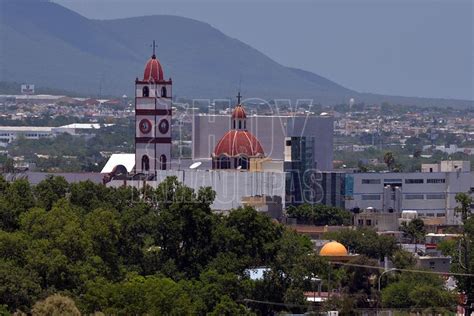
x=237, y=167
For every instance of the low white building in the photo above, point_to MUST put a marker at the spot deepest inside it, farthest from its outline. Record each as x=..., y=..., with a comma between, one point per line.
x=79, y=128
x=10, y=133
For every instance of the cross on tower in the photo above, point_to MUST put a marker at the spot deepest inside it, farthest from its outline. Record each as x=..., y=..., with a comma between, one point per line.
x=238, y=98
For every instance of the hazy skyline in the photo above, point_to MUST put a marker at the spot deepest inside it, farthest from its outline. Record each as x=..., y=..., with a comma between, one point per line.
x=410, y=48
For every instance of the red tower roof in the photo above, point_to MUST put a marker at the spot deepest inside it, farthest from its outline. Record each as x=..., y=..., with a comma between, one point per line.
x=153, y=70
x=238, y=142
x=239, y=112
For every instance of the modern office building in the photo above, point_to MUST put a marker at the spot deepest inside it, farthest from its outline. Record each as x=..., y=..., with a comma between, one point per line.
x=430, y=193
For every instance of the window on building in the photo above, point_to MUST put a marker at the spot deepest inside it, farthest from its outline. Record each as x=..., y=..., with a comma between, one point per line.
x=163, y=92
x=436, y=196
x=163, y=162
x=392, y=180
x=224, y=162
x=414, y=181
x=368, y=222
x=145, y=92
x=360, y=222
x=414, y=196
x=240, y=124
x=145, y=163
x=371, y=197
x=370, y=181
x=435, y=181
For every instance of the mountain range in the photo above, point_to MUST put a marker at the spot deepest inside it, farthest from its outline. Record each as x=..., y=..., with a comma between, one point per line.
x=49, y=45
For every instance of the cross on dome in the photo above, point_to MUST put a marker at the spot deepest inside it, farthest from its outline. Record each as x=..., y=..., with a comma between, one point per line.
x=153, y=70
x=154, y=46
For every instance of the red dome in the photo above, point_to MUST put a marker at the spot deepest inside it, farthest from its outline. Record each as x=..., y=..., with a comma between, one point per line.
x=153, y=70
x=239, y=112
x=238, y=142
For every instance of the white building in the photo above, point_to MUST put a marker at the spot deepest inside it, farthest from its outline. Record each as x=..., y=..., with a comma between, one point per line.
x=79, y=128
x=430, y=194
x=10, y=133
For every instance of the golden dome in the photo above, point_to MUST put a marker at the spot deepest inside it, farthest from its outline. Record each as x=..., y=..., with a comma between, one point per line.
x=333, y=249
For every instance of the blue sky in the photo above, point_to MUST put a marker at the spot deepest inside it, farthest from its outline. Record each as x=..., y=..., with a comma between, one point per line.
x=397, y=47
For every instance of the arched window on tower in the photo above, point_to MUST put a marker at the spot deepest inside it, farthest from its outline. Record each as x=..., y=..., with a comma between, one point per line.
x=145, y=163
x=163, y=162
x=163, y=92
x=240, y=124
x=145, y=92
x=234, y=124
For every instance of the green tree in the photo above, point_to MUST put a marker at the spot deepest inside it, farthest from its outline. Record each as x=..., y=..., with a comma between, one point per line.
x=365, y=242
x=89, y=195
x=252, y=236
x=415, y=230
x=50, y=190
x=389, y=160
x=19, y=287
x=59, y=248
x=185, y=226
x=228, y=307
x=13, y=246
x=320, y=215
x=16, y=200
x=418, y=290
x=138, y=295
x=103, y=228
x=403, y=259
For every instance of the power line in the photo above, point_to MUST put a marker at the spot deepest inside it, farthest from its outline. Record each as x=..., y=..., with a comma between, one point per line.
x=401, y=270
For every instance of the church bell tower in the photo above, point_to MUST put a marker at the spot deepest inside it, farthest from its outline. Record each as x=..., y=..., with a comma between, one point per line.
x=152, y=119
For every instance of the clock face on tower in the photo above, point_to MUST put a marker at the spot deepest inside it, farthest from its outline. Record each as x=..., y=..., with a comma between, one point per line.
x=145, y=126
x=164, y=126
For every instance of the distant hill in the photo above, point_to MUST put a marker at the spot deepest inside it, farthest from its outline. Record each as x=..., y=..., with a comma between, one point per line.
x=48, y=45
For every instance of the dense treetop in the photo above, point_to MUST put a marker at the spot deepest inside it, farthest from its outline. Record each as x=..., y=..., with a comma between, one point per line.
x=90, y=248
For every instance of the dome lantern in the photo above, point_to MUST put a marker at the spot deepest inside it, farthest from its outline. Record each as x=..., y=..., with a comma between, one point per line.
x=235, y=149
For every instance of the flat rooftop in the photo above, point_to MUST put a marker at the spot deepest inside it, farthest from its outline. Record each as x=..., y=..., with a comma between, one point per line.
x=26, y=128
